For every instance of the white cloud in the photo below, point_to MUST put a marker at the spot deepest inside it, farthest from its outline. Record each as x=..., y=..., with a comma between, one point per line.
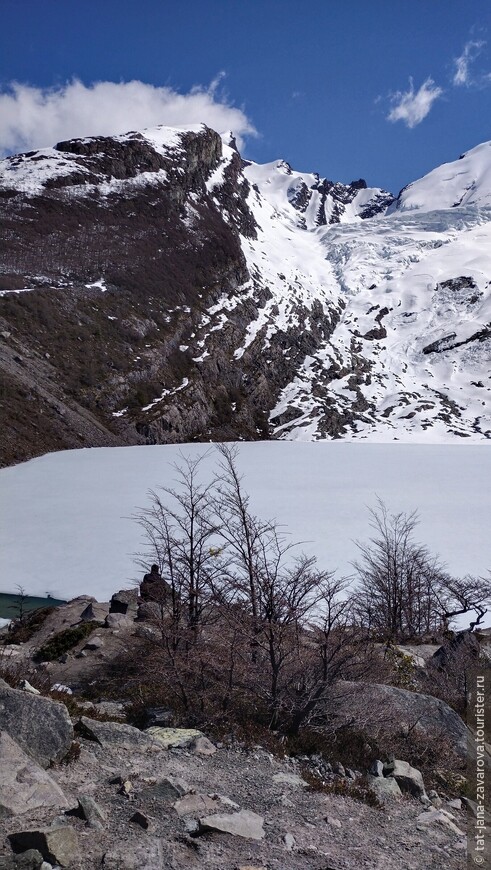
x=412, y=106
x=32, y=117
x=463, y=75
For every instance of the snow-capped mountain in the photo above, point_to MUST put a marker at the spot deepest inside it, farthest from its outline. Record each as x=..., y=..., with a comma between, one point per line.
x=179, y=292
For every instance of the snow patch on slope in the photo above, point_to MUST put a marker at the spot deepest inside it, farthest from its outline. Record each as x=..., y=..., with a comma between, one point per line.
x=463, y=182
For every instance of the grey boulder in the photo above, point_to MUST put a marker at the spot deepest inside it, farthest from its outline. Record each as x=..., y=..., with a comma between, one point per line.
x=24, y=785
x=115, y=735
x=384, y=788
x=58, y=845
x=408, y=778
x=242, y=824
x=40, y=726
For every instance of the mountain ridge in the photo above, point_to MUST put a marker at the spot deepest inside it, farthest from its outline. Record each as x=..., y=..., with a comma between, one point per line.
x=179, y=292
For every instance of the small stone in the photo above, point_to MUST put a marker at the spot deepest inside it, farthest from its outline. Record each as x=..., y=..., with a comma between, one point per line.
x=60, y=687
x=117, y=735
x=126, y=788
x=289, y=841
x=140, y=819
x=338, y=768
x=290, y=779
x=124, y=601
x=455, y=804
x=93, y=612
x=94, y=644
x=334, y=823
x=242, y=824
x=203, y=746
x=169, y=789
x=160, y=716
x=29, y=860
x=191, y=827
x=26, y=687
x=116, y=780
x=116, y=621
x=376, y=768
x=89, y=810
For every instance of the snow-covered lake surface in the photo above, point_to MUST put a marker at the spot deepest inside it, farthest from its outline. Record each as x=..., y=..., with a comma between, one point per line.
x=66, y=523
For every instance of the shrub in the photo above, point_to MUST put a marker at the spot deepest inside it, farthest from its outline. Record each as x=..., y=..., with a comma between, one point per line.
x=28, y=626
x=357, y=789
x=64, y=641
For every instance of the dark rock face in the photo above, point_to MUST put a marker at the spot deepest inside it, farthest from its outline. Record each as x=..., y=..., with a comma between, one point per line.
x=128, y=247
x=334, y=197
x=41, y=727
x=124, y=601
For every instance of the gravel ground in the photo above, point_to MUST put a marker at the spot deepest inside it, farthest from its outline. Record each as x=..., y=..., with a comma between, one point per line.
x=329, y=832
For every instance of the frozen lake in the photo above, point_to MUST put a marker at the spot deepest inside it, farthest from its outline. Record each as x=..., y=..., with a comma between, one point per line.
x=65, y=517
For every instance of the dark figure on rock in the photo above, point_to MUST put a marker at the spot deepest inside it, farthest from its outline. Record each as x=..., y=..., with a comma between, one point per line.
x=153, y=587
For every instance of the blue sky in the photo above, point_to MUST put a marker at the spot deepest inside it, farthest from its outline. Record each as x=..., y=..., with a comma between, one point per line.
x=380, y=89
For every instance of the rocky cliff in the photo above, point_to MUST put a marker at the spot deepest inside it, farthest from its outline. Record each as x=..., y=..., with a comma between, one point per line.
x=156, y=287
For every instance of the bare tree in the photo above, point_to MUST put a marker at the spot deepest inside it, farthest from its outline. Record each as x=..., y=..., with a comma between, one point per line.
x=404, y=591
x=397, y=579
x=336, y=650
x=179, y=532
x=461, y=596
x=294, y=617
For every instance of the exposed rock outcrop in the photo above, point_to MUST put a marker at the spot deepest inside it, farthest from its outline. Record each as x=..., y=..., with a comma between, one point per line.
x=41, y=727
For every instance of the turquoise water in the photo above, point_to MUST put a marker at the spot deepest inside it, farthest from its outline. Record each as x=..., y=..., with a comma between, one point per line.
x=10, y=604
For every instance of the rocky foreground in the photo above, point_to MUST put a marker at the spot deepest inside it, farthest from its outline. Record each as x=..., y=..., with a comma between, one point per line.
x=86, y=790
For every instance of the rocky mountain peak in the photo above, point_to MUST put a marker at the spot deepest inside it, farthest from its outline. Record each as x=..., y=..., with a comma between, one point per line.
x=173, y=291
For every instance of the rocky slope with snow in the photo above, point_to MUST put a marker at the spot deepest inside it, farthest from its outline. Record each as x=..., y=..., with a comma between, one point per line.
x=156, y=287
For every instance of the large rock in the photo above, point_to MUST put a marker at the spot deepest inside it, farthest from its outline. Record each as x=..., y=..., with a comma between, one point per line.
x=40, y=726
x=196, y=804
x=434, y=816
x=29, y=860
x=168, y=789
x=384, y=788
x=24, y=785
x=388, y=708
x=95, y=612
x=242, y=824
x=58, y=845
x=408, y=778
x=463, y=647
x=125, y=601
x=173, y=738
x=115, y=735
